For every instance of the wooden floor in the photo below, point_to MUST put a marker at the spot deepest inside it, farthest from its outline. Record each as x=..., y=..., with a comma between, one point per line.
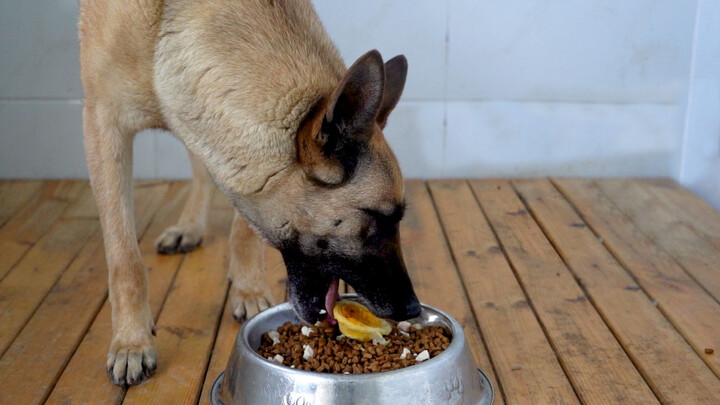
x=570, y=291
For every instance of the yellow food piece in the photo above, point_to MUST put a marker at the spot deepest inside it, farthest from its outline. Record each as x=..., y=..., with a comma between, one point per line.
x=357, y=322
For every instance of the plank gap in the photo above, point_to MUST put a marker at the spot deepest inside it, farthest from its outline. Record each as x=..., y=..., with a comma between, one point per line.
x=641, y=370
x=531, y=304
x=451, y=251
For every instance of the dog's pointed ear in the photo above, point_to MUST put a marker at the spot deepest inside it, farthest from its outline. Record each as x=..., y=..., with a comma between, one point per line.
x=395, y=75
x=314, y=149
x=333, y=134
x=355, y=103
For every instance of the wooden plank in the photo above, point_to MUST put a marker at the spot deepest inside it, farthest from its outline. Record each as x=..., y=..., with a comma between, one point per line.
x=277, y=278
x=34, y=220
x=433, y=272
x=188, y=323
x=693, y=312
x=24, y=288
x=594, y=361
x=526, y=364
x=688, y=207
x=67, y=310
x=48, y=205
x=84, y=380
x=649, y=339
x=692, y=251
x=14, y=195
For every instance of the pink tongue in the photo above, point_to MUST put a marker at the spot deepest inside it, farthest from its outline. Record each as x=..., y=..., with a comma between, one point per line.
x=330, y=298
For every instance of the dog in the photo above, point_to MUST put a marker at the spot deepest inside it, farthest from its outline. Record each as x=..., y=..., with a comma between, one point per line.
x=268, y=112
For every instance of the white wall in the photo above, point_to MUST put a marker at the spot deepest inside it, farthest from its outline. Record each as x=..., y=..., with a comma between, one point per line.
x=700, y=168
x=496, y=88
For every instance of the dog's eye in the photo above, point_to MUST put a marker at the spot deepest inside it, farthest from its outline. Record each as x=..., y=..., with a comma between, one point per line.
x=385, y=219
x=322, y=244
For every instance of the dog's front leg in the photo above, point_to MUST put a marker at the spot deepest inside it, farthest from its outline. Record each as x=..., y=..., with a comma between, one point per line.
x=249, y=292
x=132, y=356
x=187, y=233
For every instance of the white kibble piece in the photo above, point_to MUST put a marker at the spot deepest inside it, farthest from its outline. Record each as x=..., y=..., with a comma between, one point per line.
x=274, y=336
x=346, y=372
x=292, y=366
x=278, y=359
x=306, y=331
x=403, y=326
x=416, y=326
x=339, y=337
x=308, y=352
x=379, y=340
x=424, y=355
x=404, y=353
x=405, y=334
x=323, y=312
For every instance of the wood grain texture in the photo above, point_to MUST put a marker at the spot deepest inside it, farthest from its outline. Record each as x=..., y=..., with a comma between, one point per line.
x=14, y=195
x=80, y=291
x=46, y=261
x=693, y=312
x=34, y=220
x=433, y=271
x=526, y=364
x=84, y=380
x=688, y=207
x=594, y=361
x=647, y=336
x=692, y=251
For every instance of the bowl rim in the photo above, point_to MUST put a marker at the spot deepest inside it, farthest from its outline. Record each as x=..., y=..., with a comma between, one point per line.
x=456, y=345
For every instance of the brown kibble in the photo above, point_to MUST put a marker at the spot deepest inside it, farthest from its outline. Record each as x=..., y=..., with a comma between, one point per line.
x=709, y=350
x=350, y=356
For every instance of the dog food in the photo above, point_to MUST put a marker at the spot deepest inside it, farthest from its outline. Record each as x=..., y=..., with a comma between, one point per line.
x=323, y=349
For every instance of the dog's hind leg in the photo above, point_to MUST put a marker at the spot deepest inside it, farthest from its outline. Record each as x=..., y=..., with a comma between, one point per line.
x=249, y=291
x=108, y=144
x=187, y=233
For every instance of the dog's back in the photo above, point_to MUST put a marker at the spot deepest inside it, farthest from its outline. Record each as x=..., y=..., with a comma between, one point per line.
x=246, y=69
x=259, y=44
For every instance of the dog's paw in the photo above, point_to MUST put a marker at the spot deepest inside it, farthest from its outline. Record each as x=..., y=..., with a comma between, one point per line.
x=246, y=304
x=177, y=239
x=131, y=364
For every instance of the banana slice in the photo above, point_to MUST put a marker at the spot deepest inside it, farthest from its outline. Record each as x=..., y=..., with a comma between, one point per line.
x=357, y=322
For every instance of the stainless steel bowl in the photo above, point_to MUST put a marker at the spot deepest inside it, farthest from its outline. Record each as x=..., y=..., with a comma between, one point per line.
x=450, y=378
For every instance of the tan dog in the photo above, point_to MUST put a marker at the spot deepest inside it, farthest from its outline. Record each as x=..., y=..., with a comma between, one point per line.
x=259, y=96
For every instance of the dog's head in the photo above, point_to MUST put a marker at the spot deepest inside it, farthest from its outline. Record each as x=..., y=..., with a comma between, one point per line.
x=342, y=210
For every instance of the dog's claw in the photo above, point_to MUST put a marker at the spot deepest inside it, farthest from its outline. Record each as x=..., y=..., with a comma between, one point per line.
x=246, y=305
x=176, y=239
x=131, y=365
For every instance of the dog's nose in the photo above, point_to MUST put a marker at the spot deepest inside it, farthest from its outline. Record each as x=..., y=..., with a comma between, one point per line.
x=413, y=309
x=410, y=310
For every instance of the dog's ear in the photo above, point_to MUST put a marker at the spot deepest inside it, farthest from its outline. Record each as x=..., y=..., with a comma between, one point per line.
x=329, y=143
x=395, y=75
x=355, y=103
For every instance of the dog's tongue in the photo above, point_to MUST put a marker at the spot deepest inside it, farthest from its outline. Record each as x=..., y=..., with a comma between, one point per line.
x=330, y=299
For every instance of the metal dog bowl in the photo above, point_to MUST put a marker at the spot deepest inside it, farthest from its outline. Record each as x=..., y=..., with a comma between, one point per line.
x=451, y=378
